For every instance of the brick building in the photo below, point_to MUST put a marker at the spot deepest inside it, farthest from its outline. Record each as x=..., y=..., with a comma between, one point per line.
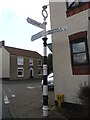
x=19, y=63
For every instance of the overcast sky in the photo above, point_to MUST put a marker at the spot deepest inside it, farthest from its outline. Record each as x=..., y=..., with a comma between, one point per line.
x=14, y=28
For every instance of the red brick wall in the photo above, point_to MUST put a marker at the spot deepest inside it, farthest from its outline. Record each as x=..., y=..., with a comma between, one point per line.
x=78, y=35
x=81, y=70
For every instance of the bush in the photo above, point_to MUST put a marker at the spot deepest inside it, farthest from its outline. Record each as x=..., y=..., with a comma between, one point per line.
x=84, y=95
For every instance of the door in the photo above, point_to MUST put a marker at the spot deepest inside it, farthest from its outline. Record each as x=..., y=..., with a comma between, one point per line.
x=31, y=73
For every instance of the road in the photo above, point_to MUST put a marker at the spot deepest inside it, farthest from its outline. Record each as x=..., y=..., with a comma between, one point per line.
x=24, y=99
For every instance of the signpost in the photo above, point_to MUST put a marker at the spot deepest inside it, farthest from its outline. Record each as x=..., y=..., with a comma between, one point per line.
x=43, y=33
x=59, y=29
x=36, y=23
x=36, y=36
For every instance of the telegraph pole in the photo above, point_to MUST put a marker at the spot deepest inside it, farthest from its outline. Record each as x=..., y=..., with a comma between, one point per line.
x=45, y=87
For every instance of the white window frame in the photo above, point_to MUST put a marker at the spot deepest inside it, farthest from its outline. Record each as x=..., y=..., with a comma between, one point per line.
x=38, y=62
x=22, y=72
x=20, y=60
x=31, y=63
x=41, y=71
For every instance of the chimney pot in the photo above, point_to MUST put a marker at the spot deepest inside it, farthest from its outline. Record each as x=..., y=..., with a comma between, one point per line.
x=2, y=43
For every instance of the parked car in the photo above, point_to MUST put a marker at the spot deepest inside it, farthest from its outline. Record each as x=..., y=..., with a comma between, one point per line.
x=50, y=81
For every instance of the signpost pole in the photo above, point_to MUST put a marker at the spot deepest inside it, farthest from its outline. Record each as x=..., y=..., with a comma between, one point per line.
x=36, y=36
x=45, y=87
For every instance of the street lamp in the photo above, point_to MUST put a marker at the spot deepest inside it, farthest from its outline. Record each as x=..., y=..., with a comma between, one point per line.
x=45, y=87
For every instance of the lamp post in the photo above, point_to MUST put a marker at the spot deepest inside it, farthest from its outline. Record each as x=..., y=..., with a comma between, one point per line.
x=45, y=87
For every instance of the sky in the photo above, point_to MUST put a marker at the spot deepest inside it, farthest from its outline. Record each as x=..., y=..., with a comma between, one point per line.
x=15, y=29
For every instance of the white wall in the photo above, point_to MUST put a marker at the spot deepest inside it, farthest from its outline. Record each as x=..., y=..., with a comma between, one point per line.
x=0, y=83
x=0, y=98
x=65, y=82
x=0, y=62
x=5, y=63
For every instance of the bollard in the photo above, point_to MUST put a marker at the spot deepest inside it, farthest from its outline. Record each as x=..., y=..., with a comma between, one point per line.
x=60, y=99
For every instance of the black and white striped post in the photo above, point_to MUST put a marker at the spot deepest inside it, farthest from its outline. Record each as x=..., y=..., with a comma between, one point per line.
x=45, y=87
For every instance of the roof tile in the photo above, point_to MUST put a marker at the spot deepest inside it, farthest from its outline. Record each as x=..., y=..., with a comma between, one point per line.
x=22, y=52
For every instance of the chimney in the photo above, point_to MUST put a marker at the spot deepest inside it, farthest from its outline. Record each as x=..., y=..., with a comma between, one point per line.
x=2, y=43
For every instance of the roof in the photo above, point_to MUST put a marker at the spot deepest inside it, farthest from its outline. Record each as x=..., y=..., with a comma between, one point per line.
x=22, y=52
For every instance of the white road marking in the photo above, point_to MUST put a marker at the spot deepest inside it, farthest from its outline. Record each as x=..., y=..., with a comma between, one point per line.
x=29, y=87
x=12, y=95
x=6, y=100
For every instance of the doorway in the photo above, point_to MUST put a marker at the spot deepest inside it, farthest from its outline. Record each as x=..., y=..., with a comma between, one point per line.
x=31, y=73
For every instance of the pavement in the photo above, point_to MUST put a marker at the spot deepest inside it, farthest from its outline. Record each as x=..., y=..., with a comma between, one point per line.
x=22, y=108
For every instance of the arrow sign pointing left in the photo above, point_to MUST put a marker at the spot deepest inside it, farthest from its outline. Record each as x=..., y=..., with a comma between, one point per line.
x=38, y=35
x=36, y=23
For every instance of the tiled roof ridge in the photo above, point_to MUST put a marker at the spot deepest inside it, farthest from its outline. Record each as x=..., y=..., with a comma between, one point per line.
x=19, y=48
x=10, y=50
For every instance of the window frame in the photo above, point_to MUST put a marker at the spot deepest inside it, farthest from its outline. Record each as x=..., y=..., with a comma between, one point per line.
x=38, y=62
x=41, y=71
x=32, y=61
x=20, y=62
x=86, y=51
x=72, y=4
x=22, y=72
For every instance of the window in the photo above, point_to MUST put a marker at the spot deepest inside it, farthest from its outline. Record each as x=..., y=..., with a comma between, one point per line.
x=20, y=72
x=39, y=62
x=31, y=61
x=20, y=60
x=79, y=52
x=39, y=71
x=72, y=3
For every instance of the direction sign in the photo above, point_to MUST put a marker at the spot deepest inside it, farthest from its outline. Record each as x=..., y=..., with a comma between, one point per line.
x=38, y=35
x=34, y=22
x=60, y=29
x=43, y=33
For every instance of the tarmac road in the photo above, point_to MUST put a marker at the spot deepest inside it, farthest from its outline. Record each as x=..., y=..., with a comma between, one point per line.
x=26, y=101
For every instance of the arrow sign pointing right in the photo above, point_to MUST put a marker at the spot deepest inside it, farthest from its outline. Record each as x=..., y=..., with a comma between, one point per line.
x=59, y=29
x=43, y=33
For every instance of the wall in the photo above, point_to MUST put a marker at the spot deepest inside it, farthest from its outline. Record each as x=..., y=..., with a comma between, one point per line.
x=26, y=66
x=65, y=82
x=14, y=66
x=5, y=63
x=0, y=83
x=0, y=62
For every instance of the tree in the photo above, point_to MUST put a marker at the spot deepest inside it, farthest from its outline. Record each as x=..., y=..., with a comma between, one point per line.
x=50, y=63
